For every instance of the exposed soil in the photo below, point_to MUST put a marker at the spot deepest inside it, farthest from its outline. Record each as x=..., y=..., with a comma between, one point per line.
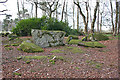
x=92, y=63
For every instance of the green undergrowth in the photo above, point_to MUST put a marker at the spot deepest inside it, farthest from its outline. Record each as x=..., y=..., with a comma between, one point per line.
x=94, y=64
x=56, y=51
x=87, y=44
x=50, y=58
x=68, y=50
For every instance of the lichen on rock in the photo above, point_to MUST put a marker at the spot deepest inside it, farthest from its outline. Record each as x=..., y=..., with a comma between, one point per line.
x=45, y=38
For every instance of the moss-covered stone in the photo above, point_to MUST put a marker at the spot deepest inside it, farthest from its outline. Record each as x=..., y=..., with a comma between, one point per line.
x=30, y=47
x=75, y=41
x=87, y=44
x=8, y=48
x=70, y=37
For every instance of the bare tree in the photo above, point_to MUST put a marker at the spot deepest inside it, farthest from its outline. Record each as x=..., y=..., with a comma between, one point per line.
x=112, y=16
x=85, y=19
x=1, y=11
x=50, y=7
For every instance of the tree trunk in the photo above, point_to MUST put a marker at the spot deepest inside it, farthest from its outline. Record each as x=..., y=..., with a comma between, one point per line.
x=119, y=22
x=66, y=17
x=101, y=24
x=18, y=10
x=63, y=10
x=73, y=17
x=83, y=16
x=77, y=18
x=32, y=10
x=116, y=19
x=94, y=19
x=36, y=9
x=98, y=21
x=112, y=16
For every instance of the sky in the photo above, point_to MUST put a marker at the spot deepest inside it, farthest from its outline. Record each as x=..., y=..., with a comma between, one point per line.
x=11, y=5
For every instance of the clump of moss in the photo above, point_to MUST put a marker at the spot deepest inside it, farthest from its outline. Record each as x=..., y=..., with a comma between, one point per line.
x=7, y=45
x=100, y=37
x=75, y=41
x=30, y=47
x=18, y=58
x=34, y=57
x=14, y=44
x=56, y=51
x=76, y=50
x=15, y=73
x=52, y=61
x=87, y=44
x=71, y=37
x=28, y=62
x=93, y=63
x=8, y=48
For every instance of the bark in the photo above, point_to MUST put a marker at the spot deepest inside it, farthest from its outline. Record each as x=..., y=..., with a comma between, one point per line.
x=66, y=17
x=119, y=23
x=112, y=16
x=101, y=24
x=18, y=10
x=23, y=12
x=73, y=17
x=116, y=19
x=78, y=19
x=63, y=10
x=32, y=10
x=36, y=6
x=98, y=21
x=94, y=19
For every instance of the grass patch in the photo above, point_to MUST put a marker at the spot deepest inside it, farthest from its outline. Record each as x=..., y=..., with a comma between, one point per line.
x=103, y=50
x=77, y=68
x=28, y=62
x=94, y=63
x=56, y=51
x=15, y=73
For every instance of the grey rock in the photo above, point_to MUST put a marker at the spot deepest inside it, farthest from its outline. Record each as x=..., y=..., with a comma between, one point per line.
x=44, y=38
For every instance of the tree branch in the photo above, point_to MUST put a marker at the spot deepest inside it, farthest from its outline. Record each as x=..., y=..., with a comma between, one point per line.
x=4, y=10
x=3, y=1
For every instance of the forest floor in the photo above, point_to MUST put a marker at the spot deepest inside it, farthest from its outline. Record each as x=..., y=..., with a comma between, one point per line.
x=73, y=62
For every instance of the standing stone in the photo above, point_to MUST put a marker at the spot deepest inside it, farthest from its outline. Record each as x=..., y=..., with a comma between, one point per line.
x=44, y=38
